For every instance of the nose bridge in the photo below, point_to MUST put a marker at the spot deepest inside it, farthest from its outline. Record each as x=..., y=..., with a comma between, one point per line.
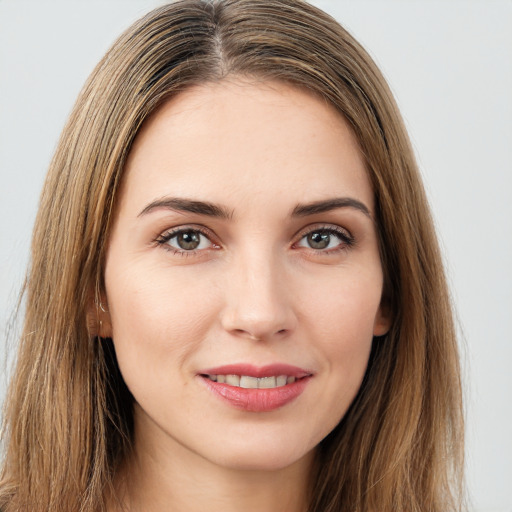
x=258, y=302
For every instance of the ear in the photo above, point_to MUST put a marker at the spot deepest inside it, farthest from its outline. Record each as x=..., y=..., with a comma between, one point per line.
x=383, y=319
x=98, y=316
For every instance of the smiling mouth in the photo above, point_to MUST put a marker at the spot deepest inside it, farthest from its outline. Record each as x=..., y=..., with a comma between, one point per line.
x=248, y=382
x=256, y=389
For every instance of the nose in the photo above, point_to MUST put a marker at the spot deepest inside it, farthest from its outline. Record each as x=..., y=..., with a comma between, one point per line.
x=258, y=303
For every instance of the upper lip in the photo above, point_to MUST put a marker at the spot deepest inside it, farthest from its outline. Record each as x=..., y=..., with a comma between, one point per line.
x=251, y=370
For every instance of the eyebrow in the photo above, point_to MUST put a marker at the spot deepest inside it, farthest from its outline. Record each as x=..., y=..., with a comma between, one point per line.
x=188, y=205
x=221, y=212
x=303, y=210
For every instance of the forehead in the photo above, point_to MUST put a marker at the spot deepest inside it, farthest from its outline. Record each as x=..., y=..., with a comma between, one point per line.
x=237, y=140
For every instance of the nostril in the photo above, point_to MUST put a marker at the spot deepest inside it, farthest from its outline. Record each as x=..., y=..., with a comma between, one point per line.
x=259, y=336
x=246, y=334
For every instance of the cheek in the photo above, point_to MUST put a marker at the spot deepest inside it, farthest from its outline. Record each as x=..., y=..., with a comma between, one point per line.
x=338, y=319
x=346, y=306
x=156, y=316
x=341, y=321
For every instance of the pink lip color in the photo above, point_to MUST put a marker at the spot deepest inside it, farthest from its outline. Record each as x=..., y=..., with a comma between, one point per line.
x=258, y=400
x=258, y=371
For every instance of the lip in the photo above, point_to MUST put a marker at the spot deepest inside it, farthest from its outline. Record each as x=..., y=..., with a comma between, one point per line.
x=257, y=400
x=258, y=371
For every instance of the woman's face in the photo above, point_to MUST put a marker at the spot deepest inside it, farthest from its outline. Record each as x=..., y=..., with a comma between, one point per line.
x=243, y=277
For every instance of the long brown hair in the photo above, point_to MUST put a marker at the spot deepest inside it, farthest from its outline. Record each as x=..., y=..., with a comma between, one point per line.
x=68, y=415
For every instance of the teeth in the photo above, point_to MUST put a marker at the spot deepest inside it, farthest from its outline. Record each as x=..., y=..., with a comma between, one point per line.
x=267, y=383
x=281, y=380
x=233, y=380
x=247, y=382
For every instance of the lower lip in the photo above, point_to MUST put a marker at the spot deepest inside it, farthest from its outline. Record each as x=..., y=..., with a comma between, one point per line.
x=257, y=400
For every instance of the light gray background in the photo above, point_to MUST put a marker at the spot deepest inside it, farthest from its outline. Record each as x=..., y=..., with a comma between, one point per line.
x=449, y=62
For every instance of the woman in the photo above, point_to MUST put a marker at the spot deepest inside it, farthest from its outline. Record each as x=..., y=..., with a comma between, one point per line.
x=236, y=298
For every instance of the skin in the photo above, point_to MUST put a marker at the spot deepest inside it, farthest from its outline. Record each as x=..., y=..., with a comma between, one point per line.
x=254, y=291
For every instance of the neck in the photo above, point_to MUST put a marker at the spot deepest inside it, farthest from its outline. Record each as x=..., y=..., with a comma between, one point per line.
x=157, y=477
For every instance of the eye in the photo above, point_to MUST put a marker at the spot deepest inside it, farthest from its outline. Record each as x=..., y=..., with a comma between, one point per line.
x=186, y=240
x=326, y=239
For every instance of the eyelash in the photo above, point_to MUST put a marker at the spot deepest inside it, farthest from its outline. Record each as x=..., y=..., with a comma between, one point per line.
x=345, y=238
x=164, y=238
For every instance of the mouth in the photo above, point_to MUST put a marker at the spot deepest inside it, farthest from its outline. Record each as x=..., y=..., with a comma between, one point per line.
x=248, y=382
x=256, y=389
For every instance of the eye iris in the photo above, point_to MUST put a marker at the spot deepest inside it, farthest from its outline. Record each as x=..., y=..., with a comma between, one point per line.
x=319, y=239
x=188, y=240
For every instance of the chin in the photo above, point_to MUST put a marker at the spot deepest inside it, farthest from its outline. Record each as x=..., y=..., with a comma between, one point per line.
x=263, y=455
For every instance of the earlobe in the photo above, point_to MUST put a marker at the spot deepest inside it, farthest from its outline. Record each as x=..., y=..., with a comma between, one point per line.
x=383, y=320
x=98, y=318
